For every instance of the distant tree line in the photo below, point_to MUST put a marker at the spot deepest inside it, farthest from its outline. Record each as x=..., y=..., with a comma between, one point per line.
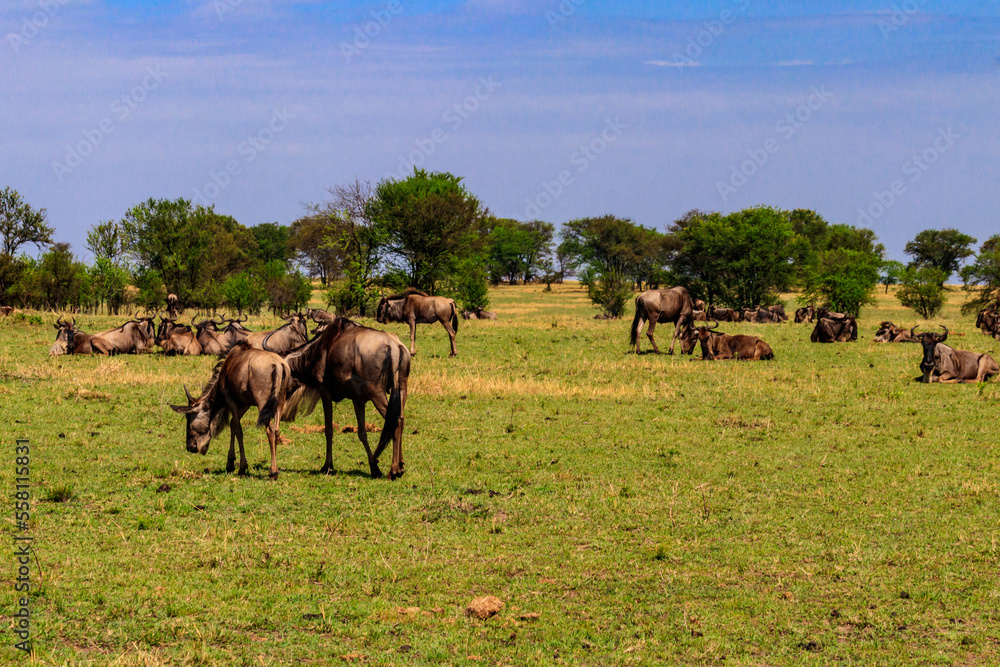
x=428, y=231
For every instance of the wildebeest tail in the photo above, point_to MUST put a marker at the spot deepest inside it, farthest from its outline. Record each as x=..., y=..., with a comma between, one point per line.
x=271, y=406
x=390, y=371
x=635, y=322
x=454, y=317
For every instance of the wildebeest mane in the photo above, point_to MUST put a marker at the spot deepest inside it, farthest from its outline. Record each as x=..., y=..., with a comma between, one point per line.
x=405, y=293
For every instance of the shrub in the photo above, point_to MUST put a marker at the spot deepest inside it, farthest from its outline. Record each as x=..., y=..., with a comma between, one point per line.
x=922, y=290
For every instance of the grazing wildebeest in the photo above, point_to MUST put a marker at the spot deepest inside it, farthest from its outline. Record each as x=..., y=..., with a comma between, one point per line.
x=414, y=307
x=173, y=305
x=659, y=306
x=177, y=338
x=831, y=330
x=805, y=314
x=350, y=361
x=722, y=314
x=716, y=345
x=286, y=337
x=246, y=377
x=888, y=332
x=942, y=363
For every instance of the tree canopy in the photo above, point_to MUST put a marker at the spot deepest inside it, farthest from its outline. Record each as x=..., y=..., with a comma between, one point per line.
x=942, y=249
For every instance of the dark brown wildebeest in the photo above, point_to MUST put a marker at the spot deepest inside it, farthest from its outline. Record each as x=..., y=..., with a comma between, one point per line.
x=888, y=332
x=805, y=314
x=659, y=306
x=722, y=314
x=830, y=315
x=749, y=315
x=716, y=345
x=177, y=338
x=350, y=361
x=987, y=321
x=830, y=330
x=942, y=363
x=173, y=305
x=245, y=377
x=414, y=307
x=778, y=312
x=285, y=338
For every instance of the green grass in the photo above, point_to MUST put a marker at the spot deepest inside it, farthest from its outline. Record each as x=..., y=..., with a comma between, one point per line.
x=822, y=508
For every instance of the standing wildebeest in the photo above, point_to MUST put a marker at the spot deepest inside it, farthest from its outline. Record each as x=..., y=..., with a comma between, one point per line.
x=286, y=337
x=805, y=314
x=245, y=377
x=414, y=307
x=942, y=363
x=350, y=361
x=173, y=305
x=889, y=333
x=717, y=345
x=658, y=306
x=834, y=330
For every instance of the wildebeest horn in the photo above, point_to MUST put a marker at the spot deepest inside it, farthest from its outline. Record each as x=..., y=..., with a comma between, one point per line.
x=715, y=327
x=945, y=337
x=190, y=397
x=913, y=329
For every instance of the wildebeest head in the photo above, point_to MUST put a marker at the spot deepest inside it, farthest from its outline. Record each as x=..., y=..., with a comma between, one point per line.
x=705, y=335
x=200, y=426
x=930, y=342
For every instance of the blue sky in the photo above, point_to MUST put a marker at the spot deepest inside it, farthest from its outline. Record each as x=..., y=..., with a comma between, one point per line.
x=551, y=110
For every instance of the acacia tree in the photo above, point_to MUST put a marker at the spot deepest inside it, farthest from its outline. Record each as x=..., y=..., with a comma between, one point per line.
x=20, y=223
x=433, y=224
x=517, y=250
x=982, y=278
x=844, y=280
x=309, y=239
x=890, y=273
x=942, y=249
x=922, y=289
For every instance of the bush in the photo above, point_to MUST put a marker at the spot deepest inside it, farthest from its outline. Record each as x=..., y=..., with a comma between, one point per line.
x=845, y=280
x=244, y=293
x=610, y=292
x=922, y=290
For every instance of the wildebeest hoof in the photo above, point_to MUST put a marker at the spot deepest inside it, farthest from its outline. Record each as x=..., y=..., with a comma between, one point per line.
x=326, y=470
x=230, y=466
x=395, y=475
x=274, y=475
x=376, y=473
x=243, y=472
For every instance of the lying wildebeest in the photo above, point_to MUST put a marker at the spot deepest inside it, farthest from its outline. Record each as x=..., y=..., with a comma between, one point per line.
x=722, y=314
x=698, y=304
x=285, y=338
x=830, y=315
x=888, y=332
x=778, y=311
x=414, y=307
x=830, y=330
x=246, y=377
x=350, y=361
x=805, y=314
x=988, y=320
x=320, y=316
x=699, y=316
x=177, y=339
x=942, y=363
x=716, y=345
x=659, y=306
x=469, y=315
x=133, y=337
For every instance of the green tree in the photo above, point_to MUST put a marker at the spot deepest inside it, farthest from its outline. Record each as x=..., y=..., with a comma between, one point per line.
x=20, y=223
x=433, y=224
x=738, y=260
x=844, y=280
x=244, y=292
x=109, y=284
x=107, y=240
x=922, y=289
x=890, y=273
x=942, y=249
x=310, y=238
x=272, y=242
x=60, y=278
x=981, y=279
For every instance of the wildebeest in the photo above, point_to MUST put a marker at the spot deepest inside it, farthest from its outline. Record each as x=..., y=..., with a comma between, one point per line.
x=659, y=306
x=133, y=337
x=320, y=316
x=834, y=330
x=805, y=314
x=717, y=345
x=350, y=361
x=942, y=363
x=988, y=321
x=722, y=314
x=414, y=307
x=177, y=339
x=699, y=316
x=246, y=377
x=286, y=337
x=698, y=304
x=888, y=332
x=173, y=305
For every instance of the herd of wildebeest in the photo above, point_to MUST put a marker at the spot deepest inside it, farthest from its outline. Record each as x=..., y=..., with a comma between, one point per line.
x=284, y=372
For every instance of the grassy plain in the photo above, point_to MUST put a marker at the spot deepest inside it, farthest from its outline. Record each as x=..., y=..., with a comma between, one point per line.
x=821, y=508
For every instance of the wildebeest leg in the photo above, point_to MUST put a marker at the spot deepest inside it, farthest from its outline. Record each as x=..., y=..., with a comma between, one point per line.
x=649, y=334
x=451, y=336
x=679, y=326
x=359, y=412
x=237, y=429
x=231, y=459
x=328, y=429
x=413, y=336
x=272, y=440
